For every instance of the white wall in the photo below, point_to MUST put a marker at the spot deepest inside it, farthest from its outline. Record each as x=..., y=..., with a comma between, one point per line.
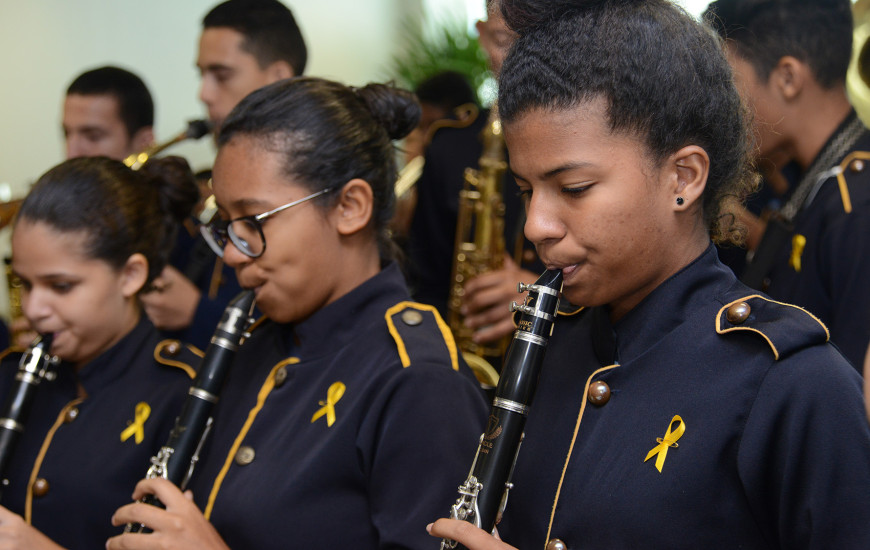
x=44, y=44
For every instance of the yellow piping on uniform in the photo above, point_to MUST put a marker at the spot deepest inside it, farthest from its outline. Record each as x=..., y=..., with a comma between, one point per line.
x=28, y=499
x=841, y=179
x=261, y=400
x=170, y=362
x=571, y=448
x=769, y=342
x=400, y=344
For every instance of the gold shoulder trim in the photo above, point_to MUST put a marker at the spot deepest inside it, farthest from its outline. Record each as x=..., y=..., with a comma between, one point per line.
x=724, y=308
x=442, y=326
x=167, y=345
x=841, y=178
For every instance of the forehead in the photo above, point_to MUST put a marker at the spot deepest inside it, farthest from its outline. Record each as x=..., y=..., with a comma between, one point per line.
x=246, y=170
x=222, y=45
x=102, y=109
x=40, y=244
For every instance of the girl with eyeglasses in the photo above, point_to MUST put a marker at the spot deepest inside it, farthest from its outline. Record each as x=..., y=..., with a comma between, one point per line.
x=677, y=408
x=88, y=239
x=348, y=416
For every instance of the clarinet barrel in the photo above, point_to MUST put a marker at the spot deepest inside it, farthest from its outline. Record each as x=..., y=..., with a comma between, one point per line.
x=36, y=364
x=484, y=494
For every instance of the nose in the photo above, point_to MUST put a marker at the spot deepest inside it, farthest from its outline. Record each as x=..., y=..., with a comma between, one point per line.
x=234, y=257
x=35, y=306
x=75, y=147
x=542, y=219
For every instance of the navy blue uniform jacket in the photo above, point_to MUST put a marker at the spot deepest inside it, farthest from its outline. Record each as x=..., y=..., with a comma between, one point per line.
x=826, y=266
x=81, y=456
x=772, y=450
x=351, y=429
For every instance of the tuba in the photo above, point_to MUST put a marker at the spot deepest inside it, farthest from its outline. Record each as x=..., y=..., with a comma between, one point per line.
x=479, y=246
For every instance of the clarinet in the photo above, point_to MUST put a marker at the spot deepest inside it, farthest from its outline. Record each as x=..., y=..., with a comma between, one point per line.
x=177, y=459
x=35, y=366
x=483, y=496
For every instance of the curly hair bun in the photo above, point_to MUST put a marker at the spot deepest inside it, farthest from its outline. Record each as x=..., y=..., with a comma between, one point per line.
x=524, y=15
x=175, y=184
x=396, y=110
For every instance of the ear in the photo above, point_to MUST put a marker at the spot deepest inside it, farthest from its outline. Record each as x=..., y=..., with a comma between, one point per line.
x=789, y=77
x=689, y=168
x=133, y=275
x=279, y=70
x=354, y=210
x=481, y=28
x=142, y=139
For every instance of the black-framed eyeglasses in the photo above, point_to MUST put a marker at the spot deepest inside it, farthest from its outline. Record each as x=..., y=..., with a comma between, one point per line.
x=246, y=233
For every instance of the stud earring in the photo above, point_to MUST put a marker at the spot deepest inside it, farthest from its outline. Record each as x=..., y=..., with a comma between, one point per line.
x=680, y=201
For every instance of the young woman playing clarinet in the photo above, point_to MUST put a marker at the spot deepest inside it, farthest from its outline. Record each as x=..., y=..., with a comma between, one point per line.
x=676, y=408
x=89, y=238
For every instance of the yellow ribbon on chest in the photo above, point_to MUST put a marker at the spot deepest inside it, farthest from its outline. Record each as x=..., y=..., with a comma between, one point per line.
x=798, y=243
x=136, y=428
x=670, y=440
x=333, y=394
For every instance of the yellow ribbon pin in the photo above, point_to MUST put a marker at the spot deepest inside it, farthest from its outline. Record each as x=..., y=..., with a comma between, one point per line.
x=670, y=440
x=335, y=392
x=136, y=428
x=798, y=242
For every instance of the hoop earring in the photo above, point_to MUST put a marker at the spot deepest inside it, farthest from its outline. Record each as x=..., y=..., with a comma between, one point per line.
x=680, y=201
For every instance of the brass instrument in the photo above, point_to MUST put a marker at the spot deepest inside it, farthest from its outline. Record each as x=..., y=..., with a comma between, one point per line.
x=479, y=246
x=195, y=130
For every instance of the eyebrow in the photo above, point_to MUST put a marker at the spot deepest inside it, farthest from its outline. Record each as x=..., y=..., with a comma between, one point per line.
x=549, y=174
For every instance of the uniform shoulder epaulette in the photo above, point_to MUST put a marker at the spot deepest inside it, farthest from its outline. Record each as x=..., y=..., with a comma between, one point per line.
x=854, y=163
x=421, y=334
x=785, y=327
x=173, y=353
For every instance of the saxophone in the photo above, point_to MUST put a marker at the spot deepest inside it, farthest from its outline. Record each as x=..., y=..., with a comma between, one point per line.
x=177, y=459
x=195, y=130
x=483, y=496
x=36, y=365
x=479, y=245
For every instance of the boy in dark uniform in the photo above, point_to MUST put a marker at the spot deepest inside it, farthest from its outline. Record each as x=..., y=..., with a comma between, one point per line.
x=790, y=60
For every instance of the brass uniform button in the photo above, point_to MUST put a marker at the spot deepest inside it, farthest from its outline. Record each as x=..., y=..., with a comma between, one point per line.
x=857, y=166
x=556, y=544
x=280, y=377
x=738, y=313
x=245, y=455
x=412, y=317
x=70, y=415
x=40, y=487
x=599, y=394
x=173, y=348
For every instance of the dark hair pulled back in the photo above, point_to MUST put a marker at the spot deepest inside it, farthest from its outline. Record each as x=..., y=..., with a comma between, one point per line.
x=329, y=134
x=122, y=212
x=663, y=76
